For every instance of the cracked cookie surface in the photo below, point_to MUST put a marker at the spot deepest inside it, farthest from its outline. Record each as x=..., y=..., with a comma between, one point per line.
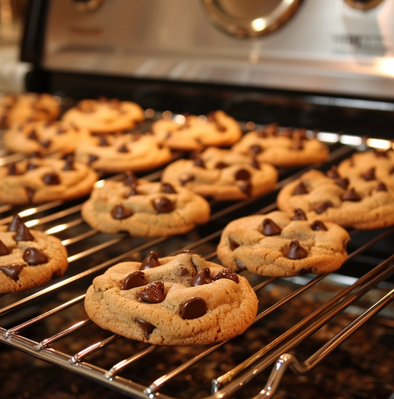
x=278, y=245
x=178, y=300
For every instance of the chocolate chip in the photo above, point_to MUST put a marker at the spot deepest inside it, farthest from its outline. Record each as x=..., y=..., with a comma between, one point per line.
x=151, y=260
x=30, y=194
x=255, y=149
x=123, y=149
x=183, y=271
x=3, y=249
x=333, y=173
x=92, y=158
x=163, y=205
x=31, y=166
x=322, y=206
x=193, y=308
x=270, y=228
x=34, y=256
x=318, y=225
x=254, y=163
x=33, y=135
x=381, y=187
x=153, y=292
x=12, y=271
x=221, y=165
x=300, y=189
x=121, y=212
x=103, y=142
x=69, y=165
x=46, y=144
x=220, y=127
x=167, y=188
x=242, y=174
x=226, y=273
x=185, y=178
x=147, y=328
x=296, y=251
x=245, y=186
x=186, y=251
x=299, y=214
x=342, y=182
x=381, y=154
x=297, y=145
x=233, y=244
x=23, y=233
x=129, y=178
x=134, y=279
x=351, y=195
x=198, y=162
x=369, y=174
x=13, y=170
x=391, y=171
x=204, y=277
x=51, y=179
x=15, y=223
x=240, y=265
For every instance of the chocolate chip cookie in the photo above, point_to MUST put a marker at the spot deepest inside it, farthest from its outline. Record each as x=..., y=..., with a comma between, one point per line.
x=278, y=245
x=115, y=153
x=37, y=180
x=144, y=209
x=28, y=258
x=217, y=129
x=105, y=115
x=46, y=138
x=350, y=202
x=283, y=146
x=178, y=300
x=222, y=174
x=19, y=108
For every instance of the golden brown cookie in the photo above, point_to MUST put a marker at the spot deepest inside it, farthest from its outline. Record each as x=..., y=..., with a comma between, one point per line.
x=217, y=129
x=38, y=180
x=278, y=245
x=178, y=300
x=282, y=146
x=47, y=138
x=105, y=116
x=19, y=108
x=359, y=203
x=28, y=258
x=222, y=175
x=144, y=209
x=115, y=153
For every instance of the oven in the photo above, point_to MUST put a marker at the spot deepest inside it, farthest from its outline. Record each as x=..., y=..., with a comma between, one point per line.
x=324, y=65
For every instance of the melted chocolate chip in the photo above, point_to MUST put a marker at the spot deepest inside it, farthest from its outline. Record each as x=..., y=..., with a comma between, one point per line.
x=342, y=182
x=130, y=178
x=163, y=205
x=351, y=195
x=12, y=271
x=185, y=178
x=153, y=292
x=333, y=173
x=147, y=328
x=369, y=174
x=23, y=233
x=123, y=149
x=295, y=251
x=134, y=279
x=299, y=214
x=255, y=149
x=167, y=188
x=300, y=189
x=34, y=256
x=381, y=187
x=318, y=225
x=240, y=265
x=151, y=260
x=242, y=174
x=183, y=271
x=15, y=223
x=69, y=165
x=221, y=165
x=121, y=212
x=233, y=244
x=204, y=277
x=322, y=206
x=226, y=273
x=245, y=186
x=198, y=162
x=3, y=249
x=270, y=228
x=51, y=179
x=193, y=308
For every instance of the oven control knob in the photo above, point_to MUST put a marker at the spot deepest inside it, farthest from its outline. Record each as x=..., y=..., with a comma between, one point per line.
x=363, y=5
x=87, y=5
